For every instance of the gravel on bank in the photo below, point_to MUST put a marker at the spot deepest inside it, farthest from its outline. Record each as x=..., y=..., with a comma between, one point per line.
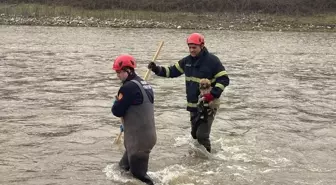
x=240, y=23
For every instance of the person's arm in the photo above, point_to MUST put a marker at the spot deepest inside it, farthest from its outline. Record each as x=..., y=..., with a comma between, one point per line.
x=172, y=71
x=221, y=79
x=124, y=101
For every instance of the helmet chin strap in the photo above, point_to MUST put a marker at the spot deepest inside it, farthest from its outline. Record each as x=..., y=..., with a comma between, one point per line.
x=129, y=72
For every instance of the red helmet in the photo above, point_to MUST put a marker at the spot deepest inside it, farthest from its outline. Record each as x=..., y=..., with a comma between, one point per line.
x=195, y=38
x=124, y=61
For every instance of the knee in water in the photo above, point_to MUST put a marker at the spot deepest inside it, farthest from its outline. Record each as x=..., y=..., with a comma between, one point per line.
x=144, y=178
x=202, y=137
x=193, y=133
x=148, y=180
x=201, y=140
x=205, y=142
x=124, y=167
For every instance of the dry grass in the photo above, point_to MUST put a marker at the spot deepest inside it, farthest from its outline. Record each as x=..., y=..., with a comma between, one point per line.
x=240, y=20
x=38, y=10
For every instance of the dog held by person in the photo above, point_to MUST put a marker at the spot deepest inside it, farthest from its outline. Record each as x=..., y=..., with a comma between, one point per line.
x=200, y=124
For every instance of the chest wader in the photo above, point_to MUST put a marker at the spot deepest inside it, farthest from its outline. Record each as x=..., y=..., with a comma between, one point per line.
x=201, y=122
x=139, y=137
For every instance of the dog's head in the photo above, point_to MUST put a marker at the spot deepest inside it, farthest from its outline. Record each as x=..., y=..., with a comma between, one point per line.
x=204, y=84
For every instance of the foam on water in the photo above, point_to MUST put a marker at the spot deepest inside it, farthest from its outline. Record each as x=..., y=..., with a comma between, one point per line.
x=114, y=173
x=174, y=174
x=171, y=175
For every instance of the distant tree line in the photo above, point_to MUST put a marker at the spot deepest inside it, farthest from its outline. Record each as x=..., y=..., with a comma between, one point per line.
x=267, y=6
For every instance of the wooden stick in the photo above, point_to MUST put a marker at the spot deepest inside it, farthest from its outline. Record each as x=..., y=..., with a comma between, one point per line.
x=117, y=140
x=154, y=58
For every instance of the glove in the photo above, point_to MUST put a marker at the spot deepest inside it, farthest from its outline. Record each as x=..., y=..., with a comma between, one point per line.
x=121, y=128
x=152, y=66
x=208, y=97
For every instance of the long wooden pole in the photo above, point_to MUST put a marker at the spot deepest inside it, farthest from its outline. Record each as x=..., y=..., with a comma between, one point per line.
x=154, y=58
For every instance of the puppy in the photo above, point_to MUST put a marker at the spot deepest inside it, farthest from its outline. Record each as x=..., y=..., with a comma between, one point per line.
x=205, y=88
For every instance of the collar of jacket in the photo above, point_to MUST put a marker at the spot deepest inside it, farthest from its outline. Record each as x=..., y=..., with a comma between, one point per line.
x=198, y=59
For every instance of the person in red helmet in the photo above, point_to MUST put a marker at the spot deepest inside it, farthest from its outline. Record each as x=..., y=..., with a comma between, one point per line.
x=134, y=103
x=199, y=64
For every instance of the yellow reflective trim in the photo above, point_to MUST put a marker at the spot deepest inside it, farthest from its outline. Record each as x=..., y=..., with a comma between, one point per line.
x=194, y=79
x=192, y=105
x=167, y=72
x=177, y=65
x=222, y=73
x=221, y=86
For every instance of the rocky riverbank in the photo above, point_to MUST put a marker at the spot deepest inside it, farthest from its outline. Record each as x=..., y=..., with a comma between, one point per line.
x=237, y=22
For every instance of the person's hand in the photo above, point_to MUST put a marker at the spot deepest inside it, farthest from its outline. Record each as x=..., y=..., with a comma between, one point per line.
x=208, y=97
x=121, y=128
x=152, y=66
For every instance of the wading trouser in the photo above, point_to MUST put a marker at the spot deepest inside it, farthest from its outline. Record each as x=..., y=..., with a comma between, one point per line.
x=201, y=127
x=138, y=165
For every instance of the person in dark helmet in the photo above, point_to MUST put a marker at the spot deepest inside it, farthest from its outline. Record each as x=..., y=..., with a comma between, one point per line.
x=134, y=104
x=197, y=65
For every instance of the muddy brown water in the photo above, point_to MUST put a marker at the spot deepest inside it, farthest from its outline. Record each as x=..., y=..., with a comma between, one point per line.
x=276, y=124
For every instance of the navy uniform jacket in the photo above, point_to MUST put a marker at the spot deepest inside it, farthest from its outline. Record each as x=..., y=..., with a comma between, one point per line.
x=205, y=65
x=130, y=94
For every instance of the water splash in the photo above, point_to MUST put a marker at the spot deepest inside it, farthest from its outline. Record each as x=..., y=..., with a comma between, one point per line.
x=114, y=173
x=177, y=174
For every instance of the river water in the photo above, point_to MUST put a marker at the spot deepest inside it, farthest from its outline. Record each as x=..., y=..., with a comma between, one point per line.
x=276, y=124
